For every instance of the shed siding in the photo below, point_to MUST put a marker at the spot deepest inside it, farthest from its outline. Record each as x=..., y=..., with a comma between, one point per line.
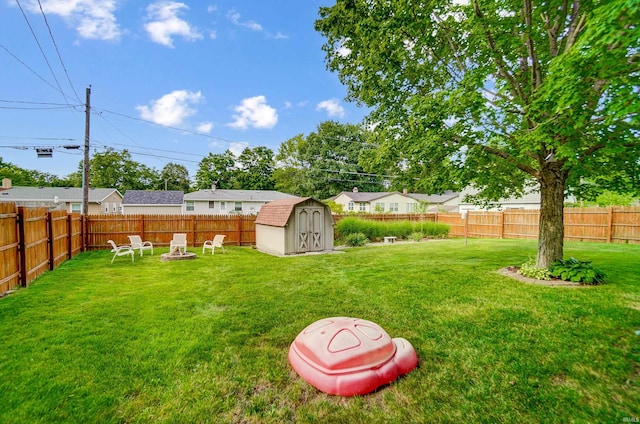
x=271, y=239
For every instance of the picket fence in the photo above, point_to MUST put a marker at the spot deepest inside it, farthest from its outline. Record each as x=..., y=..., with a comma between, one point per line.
x=34, y=240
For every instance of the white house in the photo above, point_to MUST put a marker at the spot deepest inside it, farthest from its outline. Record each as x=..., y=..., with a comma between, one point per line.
x=394, y=202
x=226, y=202
x=100, y=201
x=530, y=200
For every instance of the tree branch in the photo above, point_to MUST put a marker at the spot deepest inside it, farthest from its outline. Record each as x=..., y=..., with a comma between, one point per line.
x=577, y=24
x=504, y=155
x=502, y=68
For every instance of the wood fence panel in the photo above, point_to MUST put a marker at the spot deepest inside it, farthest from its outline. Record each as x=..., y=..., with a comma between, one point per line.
x=625, y=226
x=34, y=243
x=520, y=224
x=101, y=228
x=484, y=224
x=59, y=238
x=74, y=225
x=9, y=247
x=586, y=224
x=454, y=221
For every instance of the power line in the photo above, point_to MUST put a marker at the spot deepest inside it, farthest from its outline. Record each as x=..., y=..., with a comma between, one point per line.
x=35, y=37
x=29, y=68
x=58, y=51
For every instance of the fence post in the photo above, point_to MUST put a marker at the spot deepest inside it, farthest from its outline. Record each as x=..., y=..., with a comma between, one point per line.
x=69, y=236
x=22, y=248
x=501, y=225
x=610, y=224
x=239, y=225
x=50, y=237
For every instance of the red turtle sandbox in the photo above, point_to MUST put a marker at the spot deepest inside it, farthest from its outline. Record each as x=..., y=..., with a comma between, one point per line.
x=349, y=356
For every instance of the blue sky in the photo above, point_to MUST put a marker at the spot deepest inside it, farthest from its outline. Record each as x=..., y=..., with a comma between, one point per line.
x=222, y=74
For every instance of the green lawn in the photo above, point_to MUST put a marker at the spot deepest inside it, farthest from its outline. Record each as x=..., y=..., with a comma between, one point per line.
x=207, y=340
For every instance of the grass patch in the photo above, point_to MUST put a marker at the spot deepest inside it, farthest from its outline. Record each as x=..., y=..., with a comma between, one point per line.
x=207, y=340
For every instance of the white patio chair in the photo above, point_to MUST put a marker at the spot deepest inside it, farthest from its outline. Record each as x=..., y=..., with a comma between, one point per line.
x=137, y=243
x=120, y=250
x=218, y=241
x=178, y=244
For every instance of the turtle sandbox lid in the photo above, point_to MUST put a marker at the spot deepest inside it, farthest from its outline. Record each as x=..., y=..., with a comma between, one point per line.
x=349, y=356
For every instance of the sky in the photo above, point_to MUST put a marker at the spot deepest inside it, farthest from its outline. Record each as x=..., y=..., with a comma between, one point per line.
x=170, y=81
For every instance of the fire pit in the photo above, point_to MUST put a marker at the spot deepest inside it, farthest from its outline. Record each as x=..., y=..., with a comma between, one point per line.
x=177, y=255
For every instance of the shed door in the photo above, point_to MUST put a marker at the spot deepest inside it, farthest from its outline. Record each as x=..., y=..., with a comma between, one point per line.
x=310, y=229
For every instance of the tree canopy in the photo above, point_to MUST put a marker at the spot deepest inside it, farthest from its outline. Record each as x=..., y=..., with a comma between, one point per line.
x=251, y=170
x=325, y=162
x=502, y=95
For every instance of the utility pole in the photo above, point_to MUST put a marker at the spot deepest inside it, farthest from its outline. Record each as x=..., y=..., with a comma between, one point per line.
x=85, y=163
x=85, y=168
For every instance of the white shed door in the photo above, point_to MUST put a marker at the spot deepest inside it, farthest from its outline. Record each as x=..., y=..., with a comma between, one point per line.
x=310, y=229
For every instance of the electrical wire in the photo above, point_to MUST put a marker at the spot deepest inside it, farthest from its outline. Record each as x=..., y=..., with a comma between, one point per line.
x=53, y=40
x=35, y=37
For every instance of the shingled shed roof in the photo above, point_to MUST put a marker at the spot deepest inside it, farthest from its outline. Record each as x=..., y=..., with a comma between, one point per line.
x=277, y=212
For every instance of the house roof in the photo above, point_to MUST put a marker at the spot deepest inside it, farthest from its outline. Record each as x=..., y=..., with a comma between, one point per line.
x=435, y=198
x=61, y=194
x=150, y=197
x=361, y=196
x=237, y=195
x=277, y=212
x=428, y=198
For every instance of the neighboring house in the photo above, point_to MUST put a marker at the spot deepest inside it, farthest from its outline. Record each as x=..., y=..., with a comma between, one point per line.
x=149, y=202
x=528, y=201
x=445, y=202
x=229, y=202
x=101, y=200
x=394, y=202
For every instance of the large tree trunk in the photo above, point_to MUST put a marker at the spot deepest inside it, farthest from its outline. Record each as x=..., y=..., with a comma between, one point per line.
x=551, y=232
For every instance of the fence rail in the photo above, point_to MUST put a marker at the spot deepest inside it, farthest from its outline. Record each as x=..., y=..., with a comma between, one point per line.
x=34, y=240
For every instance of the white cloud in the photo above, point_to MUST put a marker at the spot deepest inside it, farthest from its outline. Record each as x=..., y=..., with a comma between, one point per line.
x=332, y=106
x=163, y=23
x=171, y=109
x=235, y=18
x=237, y=148
x=205, y=127
x=93, y=19
x=254, y=112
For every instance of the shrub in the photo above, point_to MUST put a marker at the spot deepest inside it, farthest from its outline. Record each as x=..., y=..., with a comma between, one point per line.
x=376, y=230
x=529, y=269
x=356, y=239
x=576, y=271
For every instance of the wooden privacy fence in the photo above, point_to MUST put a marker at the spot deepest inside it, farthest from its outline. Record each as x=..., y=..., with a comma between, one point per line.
x=34, y=240
x=239, y=230
x=607, y=225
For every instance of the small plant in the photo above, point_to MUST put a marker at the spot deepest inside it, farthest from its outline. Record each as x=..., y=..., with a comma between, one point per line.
x=356, y=239
x=576, y=271
x=416, y=236
x=529, y=269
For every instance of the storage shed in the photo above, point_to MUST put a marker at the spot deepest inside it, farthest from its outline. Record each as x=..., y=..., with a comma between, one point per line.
x=294, y=226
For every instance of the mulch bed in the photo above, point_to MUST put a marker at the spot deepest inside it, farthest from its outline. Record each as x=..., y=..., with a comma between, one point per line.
x=512, y=272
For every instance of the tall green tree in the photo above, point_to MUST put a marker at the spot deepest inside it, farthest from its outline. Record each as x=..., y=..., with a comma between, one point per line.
x=504, y=95
x=175, y=177
x=216, y=169
x=31, y=178
x=325, y=162
x=116, y=169
x=255, y=169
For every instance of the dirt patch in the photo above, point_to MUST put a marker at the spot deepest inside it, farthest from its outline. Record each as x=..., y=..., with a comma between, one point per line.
x=512, y=272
